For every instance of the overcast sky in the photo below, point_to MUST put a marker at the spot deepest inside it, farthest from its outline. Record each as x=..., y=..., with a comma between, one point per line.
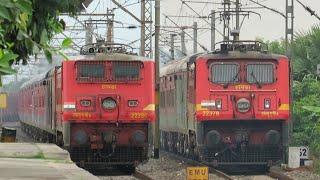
x=271, y=26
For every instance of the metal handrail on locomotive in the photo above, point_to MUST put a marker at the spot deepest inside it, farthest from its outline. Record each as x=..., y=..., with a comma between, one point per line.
x=228, y=108
x=99, y=106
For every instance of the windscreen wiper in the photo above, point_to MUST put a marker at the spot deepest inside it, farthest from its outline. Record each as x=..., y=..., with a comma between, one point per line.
x=231, y=81
x=256, y=80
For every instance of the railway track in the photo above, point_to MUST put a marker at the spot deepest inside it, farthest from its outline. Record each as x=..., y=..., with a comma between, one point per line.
x=140, y=175
x=272, y=174
x=278, y=175
x=197, y=163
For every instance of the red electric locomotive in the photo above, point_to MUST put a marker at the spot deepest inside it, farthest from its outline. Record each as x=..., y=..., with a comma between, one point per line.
x=99, y=106
x=228, y=108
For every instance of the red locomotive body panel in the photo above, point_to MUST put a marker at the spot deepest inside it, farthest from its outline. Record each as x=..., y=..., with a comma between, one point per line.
x=140, y=91
x=276, y=92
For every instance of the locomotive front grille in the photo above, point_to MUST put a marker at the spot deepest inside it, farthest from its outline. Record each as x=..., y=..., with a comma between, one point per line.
x=121, y=155
x=251, y=154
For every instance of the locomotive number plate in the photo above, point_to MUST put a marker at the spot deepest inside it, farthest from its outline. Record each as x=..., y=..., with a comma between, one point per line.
x=210, y=113
x=81, y=115
x=197, y=173
x=138, y=115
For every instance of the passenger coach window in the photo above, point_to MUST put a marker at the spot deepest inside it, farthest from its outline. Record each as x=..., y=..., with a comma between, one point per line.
x=91, y=71
x=260, y=73
x=225, y=73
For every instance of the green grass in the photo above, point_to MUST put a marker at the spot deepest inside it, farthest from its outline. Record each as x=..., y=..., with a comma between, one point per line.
x=316, y=165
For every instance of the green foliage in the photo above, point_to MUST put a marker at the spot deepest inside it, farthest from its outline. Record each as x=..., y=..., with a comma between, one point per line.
x=26, y=26
x=306, y=89
x=306, y=114
x=306, y=52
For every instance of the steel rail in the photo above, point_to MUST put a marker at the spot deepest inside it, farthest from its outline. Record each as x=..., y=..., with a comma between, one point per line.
x=140, y=175
x=278, y=175
x=197, y=163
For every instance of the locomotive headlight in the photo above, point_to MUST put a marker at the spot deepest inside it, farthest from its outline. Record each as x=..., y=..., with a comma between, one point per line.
x=139, y=136
x=267, y=103
x=218, y=103
x=80, y=137
x=272, y=137
x=213, y=138
x=243, y=105
x=109, y=103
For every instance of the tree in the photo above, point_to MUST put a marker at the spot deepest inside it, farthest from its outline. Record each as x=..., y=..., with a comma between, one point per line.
x=306, y=52
x=26, y=26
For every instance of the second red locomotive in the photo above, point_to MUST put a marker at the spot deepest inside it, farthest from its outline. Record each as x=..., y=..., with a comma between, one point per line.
x=229, y=108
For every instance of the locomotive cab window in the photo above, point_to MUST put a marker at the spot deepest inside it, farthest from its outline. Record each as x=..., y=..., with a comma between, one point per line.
x=88, y=71
x=126, y=70
x=260, y=73
x=224, y=73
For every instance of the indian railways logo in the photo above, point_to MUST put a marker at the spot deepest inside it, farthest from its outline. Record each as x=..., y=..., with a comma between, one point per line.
x=109, y=86
x=242, y=87
x=243, y=105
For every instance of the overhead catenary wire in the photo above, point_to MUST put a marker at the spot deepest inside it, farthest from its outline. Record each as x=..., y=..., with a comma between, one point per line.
x=307, y=8
x=184, y=2
x=203, y=47
x=266, y=7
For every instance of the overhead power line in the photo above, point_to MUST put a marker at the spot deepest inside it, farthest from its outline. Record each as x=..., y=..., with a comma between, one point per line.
x=271, y=9
x=203, y=47
x=307, y=8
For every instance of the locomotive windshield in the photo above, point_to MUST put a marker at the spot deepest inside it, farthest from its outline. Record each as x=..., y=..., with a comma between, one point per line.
x=260, y=73
x=87, y=71
x=225, y=73
x=126, y=71
x=108, y=71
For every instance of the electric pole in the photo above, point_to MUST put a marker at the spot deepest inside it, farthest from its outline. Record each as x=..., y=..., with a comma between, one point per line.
x=237, y=30
x=213, y=29
x=110, y=20
x=172, y=45
x=183, y=43
x=289, y=26
x=146, y=25
x=195, y=37
x=157, y=76
x=226, y=19
x=89, y=32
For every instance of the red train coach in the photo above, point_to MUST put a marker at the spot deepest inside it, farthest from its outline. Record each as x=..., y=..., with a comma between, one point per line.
x=99, y=106
x=229, y=108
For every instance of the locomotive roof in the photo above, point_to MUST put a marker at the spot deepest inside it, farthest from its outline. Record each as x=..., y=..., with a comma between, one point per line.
x=181, y=64
x=110, y=56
